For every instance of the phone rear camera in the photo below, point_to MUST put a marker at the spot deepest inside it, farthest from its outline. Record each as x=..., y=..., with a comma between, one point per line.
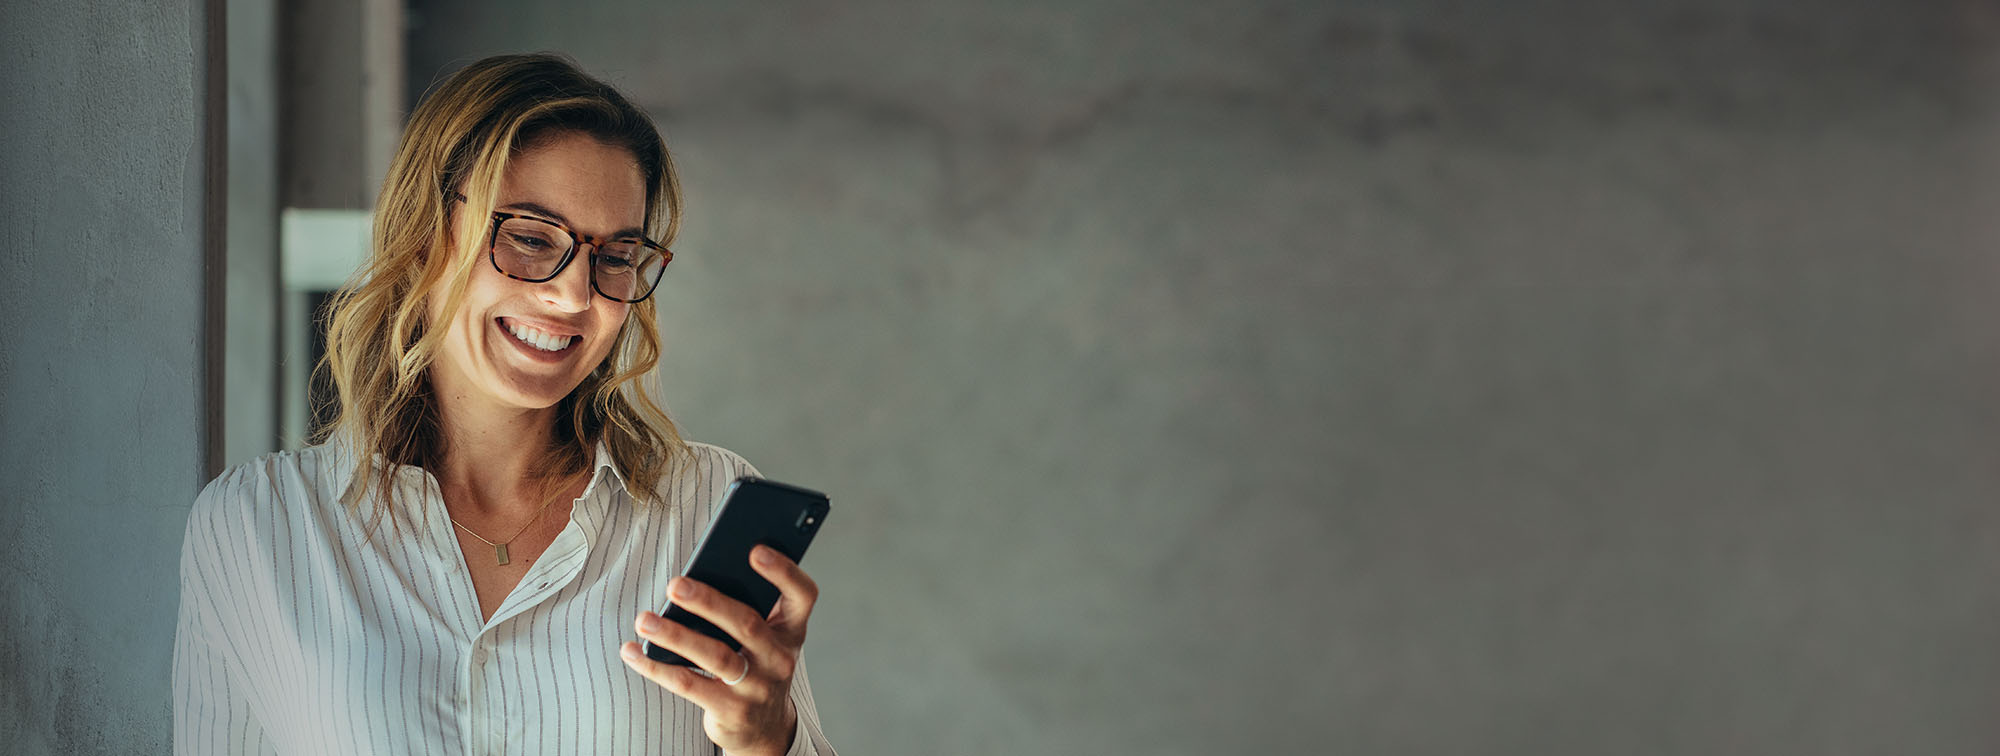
x=808, y=522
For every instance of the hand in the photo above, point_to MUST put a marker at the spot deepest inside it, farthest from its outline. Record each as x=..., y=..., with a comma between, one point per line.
x=755, y=715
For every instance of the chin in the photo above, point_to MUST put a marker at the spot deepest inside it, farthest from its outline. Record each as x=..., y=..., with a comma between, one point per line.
x=540, y=397
x=525, y=386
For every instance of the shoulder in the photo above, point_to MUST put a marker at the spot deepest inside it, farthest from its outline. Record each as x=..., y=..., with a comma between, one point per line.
x=277, y=475
x=708, y=472
x=271, y=487
x=709, y=459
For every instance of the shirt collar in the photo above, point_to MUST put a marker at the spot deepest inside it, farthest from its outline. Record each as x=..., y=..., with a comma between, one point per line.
x=604, y=462
x=345, y=456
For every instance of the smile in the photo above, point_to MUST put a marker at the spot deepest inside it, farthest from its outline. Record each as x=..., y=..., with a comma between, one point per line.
x=538, y=339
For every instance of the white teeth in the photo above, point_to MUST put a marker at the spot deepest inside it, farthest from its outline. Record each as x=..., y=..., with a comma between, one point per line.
x=538, y=339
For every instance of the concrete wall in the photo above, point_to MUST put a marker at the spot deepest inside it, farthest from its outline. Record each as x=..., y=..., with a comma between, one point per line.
x=1546, y=377
x=103, y=441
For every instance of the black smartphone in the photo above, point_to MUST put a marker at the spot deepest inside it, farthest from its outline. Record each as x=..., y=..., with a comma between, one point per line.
x=753, y=511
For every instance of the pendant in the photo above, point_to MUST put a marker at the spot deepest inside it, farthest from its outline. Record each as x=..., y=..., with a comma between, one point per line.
x=500, y=552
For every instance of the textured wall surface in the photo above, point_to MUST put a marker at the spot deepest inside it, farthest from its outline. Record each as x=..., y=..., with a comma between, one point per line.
x=1191, y=378
x=101, y=314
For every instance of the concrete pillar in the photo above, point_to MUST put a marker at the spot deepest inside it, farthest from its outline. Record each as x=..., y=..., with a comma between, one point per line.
x=110, y=280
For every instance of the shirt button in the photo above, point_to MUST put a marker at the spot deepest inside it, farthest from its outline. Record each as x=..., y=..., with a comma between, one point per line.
x=478, y=656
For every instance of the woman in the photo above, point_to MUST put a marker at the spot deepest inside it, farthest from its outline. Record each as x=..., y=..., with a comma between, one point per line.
x=455, y=568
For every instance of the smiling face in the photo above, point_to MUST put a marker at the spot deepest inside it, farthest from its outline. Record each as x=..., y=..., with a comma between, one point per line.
x=496, y=353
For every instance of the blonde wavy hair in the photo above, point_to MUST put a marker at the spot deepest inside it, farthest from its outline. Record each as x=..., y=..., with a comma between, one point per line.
x=379, y=349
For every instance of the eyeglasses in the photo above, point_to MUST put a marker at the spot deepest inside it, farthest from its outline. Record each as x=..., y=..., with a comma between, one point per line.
x=526, y=248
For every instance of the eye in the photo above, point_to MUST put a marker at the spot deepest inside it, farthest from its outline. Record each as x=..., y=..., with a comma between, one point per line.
x=529, y=242
x=614, y=263
x=619, y=256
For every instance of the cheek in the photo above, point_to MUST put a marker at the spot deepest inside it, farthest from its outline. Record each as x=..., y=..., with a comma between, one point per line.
x=609, y=346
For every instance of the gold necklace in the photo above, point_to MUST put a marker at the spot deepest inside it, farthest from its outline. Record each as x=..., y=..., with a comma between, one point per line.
x=500, y=549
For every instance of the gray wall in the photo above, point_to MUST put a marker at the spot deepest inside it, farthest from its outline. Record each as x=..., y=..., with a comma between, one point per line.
x=102, y=363
x=1533, y=377
x=1417, y=378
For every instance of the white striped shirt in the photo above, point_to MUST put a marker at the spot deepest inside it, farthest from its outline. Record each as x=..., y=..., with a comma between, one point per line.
x=296, y=637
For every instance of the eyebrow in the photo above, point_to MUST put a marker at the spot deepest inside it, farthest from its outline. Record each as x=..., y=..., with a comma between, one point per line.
x=538, y=209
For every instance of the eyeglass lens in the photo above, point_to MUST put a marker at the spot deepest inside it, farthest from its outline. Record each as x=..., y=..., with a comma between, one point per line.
x=531, y=249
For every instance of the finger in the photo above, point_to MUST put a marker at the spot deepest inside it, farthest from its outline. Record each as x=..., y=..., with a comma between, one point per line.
x=798, y=591
x=711, y=655
x=734, y=617
x=708, y=693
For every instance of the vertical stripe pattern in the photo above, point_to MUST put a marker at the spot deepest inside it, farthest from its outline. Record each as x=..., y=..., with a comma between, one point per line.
x=297, y=637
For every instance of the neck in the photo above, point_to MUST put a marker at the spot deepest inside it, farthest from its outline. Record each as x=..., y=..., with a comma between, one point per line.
x=490, y=456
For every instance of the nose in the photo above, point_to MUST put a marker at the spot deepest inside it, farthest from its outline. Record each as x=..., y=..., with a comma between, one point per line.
x=570, y=291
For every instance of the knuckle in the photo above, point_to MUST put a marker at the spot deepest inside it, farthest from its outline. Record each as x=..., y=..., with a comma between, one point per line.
x=651, y=670
x=758, y=634
x=724, y=663
x=657, y=672
x=746, y=624
x=676, y=678
x=684, y=638
x=671, y=633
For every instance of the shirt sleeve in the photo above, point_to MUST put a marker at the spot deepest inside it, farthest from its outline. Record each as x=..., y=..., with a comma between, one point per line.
x=212, y=711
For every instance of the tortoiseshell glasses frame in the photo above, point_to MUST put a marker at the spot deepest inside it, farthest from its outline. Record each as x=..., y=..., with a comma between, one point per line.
x=643, y=281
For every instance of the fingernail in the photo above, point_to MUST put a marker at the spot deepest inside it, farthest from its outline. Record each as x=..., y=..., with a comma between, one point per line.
x=649, y=623
x=630, y=653
x=766, y=555
x=682, y=589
